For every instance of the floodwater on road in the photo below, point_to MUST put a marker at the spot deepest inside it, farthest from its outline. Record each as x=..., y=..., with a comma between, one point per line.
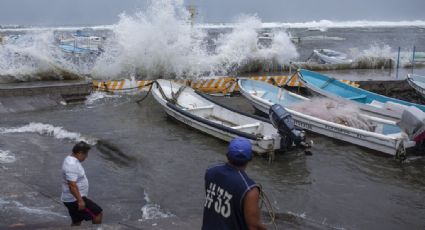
x=148, y=166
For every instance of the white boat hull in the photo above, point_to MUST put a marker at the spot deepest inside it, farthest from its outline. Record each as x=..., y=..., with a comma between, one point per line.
x=391, y=145
x=338, y=58
x=416, y=85
x=263, y=145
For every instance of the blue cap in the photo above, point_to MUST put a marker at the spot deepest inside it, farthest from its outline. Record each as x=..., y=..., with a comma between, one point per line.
x=240, y=150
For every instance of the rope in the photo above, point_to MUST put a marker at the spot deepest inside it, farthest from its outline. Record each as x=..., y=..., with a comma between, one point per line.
x=273, y=216
x=161, y=91
x=150, y=88
x=176, y=95
x=266, y=201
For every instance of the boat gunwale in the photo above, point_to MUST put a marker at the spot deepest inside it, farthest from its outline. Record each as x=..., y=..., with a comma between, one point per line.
x=413, y=83
x=369, y=95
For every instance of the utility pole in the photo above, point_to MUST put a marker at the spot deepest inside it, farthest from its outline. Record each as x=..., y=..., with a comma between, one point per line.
x=193, y=12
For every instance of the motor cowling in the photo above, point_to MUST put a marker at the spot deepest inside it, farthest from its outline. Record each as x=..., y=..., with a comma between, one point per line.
x=282, y=120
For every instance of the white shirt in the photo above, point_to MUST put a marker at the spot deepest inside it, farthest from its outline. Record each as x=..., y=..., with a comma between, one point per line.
x=72, y=170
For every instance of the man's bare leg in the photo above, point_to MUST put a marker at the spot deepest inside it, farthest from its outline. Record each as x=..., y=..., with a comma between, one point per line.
x=97, y=219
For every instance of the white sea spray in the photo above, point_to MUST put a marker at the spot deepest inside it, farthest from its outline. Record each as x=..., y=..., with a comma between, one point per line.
x=36, y=210
x=33, y=55
x=96, y=96
x=151, y=211
x=49, y=130
x=162, y=42
x=6, y=156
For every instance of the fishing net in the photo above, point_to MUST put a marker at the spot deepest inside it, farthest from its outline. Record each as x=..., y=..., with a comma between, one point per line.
x=335, y=111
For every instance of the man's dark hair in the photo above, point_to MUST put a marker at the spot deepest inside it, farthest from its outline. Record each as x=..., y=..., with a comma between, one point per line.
x=81, y=147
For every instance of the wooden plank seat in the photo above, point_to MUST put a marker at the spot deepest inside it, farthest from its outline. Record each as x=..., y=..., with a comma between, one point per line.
x=201, y=108
x=248, y=127
x=258, y=93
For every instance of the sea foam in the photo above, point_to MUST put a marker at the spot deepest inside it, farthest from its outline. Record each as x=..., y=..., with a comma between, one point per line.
x=49, y=130
x=151, y=211
x=6, y=157
x=162, y=42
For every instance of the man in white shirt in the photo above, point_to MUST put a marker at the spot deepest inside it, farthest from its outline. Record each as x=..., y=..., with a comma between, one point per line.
x=75, y=188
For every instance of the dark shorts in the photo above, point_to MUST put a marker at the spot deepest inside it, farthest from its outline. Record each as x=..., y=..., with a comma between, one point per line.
x=89, y=213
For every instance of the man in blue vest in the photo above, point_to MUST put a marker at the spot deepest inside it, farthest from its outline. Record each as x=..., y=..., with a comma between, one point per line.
x=232, y=198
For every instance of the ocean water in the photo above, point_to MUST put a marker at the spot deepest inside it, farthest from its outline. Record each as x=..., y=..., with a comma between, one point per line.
x=162, y=42
x=146, y=166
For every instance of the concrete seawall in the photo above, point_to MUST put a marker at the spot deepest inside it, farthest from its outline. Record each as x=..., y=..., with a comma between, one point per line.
x=19, y=97
x=37, y=88
x=385, y=86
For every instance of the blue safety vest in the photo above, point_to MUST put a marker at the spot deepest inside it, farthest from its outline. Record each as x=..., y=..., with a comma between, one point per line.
x=225, y=188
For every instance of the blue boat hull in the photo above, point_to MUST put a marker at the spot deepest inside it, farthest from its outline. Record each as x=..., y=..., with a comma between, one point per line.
x=368, y=101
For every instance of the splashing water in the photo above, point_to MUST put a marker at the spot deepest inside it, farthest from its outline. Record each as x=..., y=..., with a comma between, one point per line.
x=92, y=98
x=377, y=50
x=6, y=157
x=33, y=56
x=6, y=204
x=238, y=48
x=152, y=211
x=49, y=130
x=37, y=210
x=161, y=42
x=157, y=42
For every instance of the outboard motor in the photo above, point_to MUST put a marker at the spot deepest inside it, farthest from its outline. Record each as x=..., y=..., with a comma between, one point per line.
x=283, y=122
x=412, y=122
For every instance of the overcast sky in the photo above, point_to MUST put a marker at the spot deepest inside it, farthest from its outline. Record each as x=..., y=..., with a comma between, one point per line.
x=95, y=12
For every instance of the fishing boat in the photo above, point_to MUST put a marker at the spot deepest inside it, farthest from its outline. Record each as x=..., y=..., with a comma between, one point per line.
x=417, y=82
x=373, y=103
x=327, y=117
x=198, y=111
x=70, y=48
x=80, y=43
x=328, y=56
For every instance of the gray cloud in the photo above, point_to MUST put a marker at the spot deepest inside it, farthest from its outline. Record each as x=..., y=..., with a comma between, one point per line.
x=93, y=12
